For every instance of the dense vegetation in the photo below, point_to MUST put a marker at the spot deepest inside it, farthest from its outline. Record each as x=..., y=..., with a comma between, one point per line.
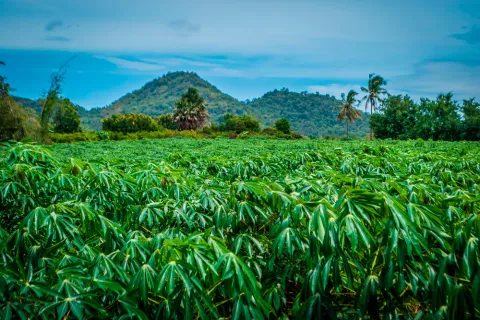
x=128, y=123
x=66, y=119
x=190, y=112
x=184, y=228
x=441, y=119
x=239, y=124
x=15, y=121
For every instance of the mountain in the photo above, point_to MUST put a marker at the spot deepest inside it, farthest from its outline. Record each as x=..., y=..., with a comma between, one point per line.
x=158, y=97
x=309, y=114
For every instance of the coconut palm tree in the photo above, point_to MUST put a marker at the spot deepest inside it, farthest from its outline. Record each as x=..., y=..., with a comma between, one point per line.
x=190, y=111
x=374, y=94
x=348, y=111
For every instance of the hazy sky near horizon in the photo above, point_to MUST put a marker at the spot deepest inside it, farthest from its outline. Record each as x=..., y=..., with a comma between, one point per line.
x=245, y=48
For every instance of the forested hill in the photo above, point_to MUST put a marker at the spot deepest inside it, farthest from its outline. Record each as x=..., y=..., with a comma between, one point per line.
x=158, y=97
x=309, y=114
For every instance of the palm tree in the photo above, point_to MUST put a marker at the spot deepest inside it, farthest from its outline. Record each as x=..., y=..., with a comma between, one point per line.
x=348, y=111
x=375, y=93
x=190, y=111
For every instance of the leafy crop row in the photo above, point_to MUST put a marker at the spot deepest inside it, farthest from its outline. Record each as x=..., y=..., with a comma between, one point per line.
x=294, y=230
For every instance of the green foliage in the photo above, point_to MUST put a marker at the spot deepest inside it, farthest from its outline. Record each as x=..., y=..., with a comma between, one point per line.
x=190, y=111
x=51, y=102
x=183, y=228
x=35, y=105
x=15, y=122
x=129, y=123
x=349, y=113
x=471, y=113
x=239, y=124
x=374, y=95
x=66, y=119
x=166, y=121
x=310, y=114
x=77, y=137
x=396, y=120
x=439, y=119
x=283, y=125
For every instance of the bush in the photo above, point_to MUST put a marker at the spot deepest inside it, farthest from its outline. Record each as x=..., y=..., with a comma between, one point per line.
x=239, y=124
x=270, y=131
x=129, y=123
x=166, y=121
x=283, y=125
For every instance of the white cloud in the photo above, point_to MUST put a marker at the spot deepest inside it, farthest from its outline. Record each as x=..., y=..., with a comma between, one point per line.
x=134, y=65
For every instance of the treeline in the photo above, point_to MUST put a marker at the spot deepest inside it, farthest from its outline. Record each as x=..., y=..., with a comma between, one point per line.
x=442, y=119
x=231, y=124
x=391, y=117
x=399, y=117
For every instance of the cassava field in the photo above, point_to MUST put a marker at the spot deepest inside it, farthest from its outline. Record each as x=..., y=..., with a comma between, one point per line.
x=240, y=229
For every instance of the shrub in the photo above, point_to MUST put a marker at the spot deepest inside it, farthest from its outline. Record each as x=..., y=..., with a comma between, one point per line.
x=270, y=131
x=166, y=121
x=128, y=123
x=283, y=125
x=239, y=124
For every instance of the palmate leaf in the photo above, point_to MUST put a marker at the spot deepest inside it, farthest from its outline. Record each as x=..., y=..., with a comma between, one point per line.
x=279, y=229
x=144, y=281
x=287, y=239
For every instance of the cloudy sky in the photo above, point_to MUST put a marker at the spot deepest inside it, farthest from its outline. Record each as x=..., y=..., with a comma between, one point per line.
x=245, y=48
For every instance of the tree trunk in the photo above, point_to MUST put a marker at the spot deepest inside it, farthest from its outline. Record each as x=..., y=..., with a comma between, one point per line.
x=347, y=128
x=371, y=130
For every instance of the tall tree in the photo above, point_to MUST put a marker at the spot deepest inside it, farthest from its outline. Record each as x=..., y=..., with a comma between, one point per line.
x=471, y=114
x=438, y=119
x=348, y=111
x=66, y=119
x=190, y=111
x=12, y=117
x=396, y=118
x=51, y=99
x=375, y=93
x=283, y=125
x=50, y=102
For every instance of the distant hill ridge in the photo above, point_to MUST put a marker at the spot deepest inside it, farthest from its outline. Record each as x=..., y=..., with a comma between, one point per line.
x=309, y=114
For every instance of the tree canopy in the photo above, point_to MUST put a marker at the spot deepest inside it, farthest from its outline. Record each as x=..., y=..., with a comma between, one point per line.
x=190, y=111
x=283, y=125
x=349, y=113
x=375, y=94
x=66, y=119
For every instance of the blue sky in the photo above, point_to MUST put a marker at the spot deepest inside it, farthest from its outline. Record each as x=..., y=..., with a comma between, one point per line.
x=245, y=48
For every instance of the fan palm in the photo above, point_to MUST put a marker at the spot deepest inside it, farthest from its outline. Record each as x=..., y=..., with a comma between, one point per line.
x=348, y=111
x=190, y=111
x=374, y=94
